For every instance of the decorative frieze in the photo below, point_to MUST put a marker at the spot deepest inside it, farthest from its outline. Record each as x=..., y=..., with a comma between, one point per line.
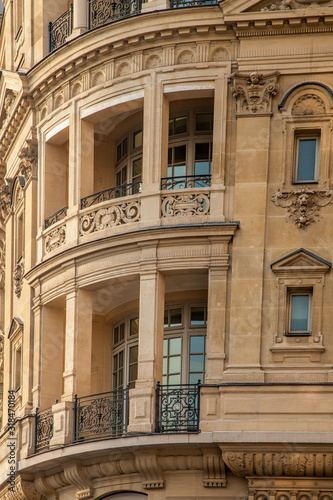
x=114, y=215
x=291, y=464
x=18, y=277
x=254, y=92
x=28, y=157
x=303, y=205
x=185, y=204
x=55, y=239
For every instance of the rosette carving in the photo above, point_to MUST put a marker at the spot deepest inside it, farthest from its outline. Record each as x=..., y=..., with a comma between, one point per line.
x=303, y=205
x=28, y=157
x=185, y=204
x=289, y=464
x=55, y=238
x=18, y=277
x=115, y=215
x=254, y=92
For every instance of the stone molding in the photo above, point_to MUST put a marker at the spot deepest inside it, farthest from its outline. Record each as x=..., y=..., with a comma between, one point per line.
x=214, y=469
x=290, y=464
x=18, y=277
x=23, y=490
x=253, y=93
x=303, y=205
x=147, y=465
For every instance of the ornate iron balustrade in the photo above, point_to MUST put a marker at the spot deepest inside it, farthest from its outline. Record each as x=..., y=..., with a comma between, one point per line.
x=101, y=416
x=43, y=429
x=106, y=11
x=176, y=4
x=58, y=215
x=186, y=181
x=109, y=194
x=60, y=29
x=177, y=408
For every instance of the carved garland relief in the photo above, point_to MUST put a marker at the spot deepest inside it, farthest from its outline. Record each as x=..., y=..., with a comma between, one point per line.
x=55, y=238
x=303, y=205
x=115, y=215
x=185, y=204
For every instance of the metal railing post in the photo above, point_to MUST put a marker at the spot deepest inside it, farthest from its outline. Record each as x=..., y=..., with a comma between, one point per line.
x=157, y=407
x=75, y=418
x=36, y=427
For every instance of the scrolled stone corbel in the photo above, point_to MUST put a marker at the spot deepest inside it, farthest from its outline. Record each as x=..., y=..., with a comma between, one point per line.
x=214, y=469
x=74, y=474
x=146, y=464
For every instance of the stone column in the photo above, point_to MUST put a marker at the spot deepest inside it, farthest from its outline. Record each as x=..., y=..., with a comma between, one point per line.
x=151, y=316
x=253, y=95
x=78, y=338
x=80, y=17
x=155, y=144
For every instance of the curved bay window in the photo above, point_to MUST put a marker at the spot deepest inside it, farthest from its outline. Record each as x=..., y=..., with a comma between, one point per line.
x=190, y=150
x=129, y=163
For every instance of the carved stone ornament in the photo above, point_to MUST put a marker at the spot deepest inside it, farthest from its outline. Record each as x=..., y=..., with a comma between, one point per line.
x=254, y=92
x=115, y=215
x=2, y=264
x=28, y=157
x=1, y=350
x=307, y=105
x=22, y=490
x=8, y=103
x=55, y=238
x=185, y=204
x=292, y=464
x=18, y=277
x=5, y=200
x=279, y=5
x=303, y=205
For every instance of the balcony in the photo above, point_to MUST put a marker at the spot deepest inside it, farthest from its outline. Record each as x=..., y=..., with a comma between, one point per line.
x=60, y=29
x=110, y=194
x=102, y=12
x=186, y=181
x=106, y=415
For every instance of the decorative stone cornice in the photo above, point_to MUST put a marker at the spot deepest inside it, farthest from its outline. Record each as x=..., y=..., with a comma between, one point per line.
x=18, y=277
x=28, y=157
x=303, y=205
x=254, y=92
x=291, y=464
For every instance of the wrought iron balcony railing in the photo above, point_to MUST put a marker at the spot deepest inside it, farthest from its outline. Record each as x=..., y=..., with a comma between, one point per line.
x=60, y=29
x=110, y=194
x=101, y=416
x=43, y=429
x=176, y=4
x=58, y=215
x=177, y=408
x=106, y=11
x=186, y=181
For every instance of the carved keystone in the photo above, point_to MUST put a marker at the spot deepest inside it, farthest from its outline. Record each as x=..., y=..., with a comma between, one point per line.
x=254, y=92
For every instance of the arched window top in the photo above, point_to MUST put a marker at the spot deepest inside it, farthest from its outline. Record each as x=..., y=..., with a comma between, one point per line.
x=17, y=190
x=126, y=496
x=307, y=99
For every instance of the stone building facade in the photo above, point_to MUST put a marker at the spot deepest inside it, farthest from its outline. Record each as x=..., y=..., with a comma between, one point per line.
x=166, y=244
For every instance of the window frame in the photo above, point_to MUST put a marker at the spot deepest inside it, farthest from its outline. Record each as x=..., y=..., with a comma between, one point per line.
x=127, y=160
x=299, y=292
x=306, y=135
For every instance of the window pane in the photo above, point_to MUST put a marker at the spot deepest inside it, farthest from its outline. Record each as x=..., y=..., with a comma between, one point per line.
x=134, y=326
x=202, y=151
x=116, y=335
x=137, y=139
x=194, y=377
x=121, y=332
x=165, y=365
x=125, y=146
x=306, y=159
x=119, y=152
x=174, y=364
x=171, y=126
x=175, y=346
x=165, y=347
x=203, y=121
x=180, y=154
x=174, y=379
x=299, y=313
x=197, y=315
x=133, y=373
x=180, y=125
x=196, y=362
x=134, y=354
x=137, y=169
x=197, y=344
x=175, y=317
x=179, y=170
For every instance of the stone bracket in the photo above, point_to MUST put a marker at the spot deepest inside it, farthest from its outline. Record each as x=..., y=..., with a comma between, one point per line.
x=147, y=466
